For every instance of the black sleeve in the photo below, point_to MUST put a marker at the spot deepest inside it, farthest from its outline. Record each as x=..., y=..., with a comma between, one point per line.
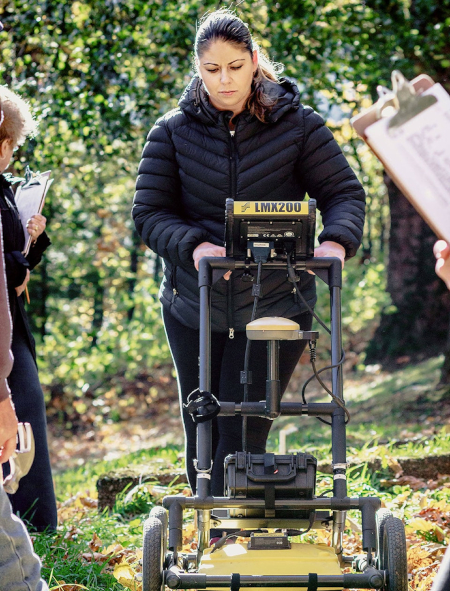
x=37, y=249
x=16, y=266
x=328, y=178
x=157, y=209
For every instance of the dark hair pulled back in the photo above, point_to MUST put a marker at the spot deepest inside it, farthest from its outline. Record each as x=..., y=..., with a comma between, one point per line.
x=224, y=25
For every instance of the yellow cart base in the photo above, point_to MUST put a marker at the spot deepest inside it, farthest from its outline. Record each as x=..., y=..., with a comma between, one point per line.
x=300, y=559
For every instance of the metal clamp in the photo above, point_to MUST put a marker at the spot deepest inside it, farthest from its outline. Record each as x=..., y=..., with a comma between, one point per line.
x=403, y=99
x=203, y=473
x=340, y=466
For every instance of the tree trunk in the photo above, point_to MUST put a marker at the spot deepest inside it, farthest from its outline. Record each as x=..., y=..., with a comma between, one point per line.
x=445, y=371
x=134, y=261
x=419, y=325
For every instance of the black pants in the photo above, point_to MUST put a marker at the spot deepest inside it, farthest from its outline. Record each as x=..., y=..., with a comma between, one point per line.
x=35, y=498
x=227, y=361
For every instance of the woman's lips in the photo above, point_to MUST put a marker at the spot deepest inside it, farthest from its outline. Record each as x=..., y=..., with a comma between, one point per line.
x=227, y=92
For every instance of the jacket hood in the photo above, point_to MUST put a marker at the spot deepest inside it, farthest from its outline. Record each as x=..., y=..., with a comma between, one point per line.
x=195, y=101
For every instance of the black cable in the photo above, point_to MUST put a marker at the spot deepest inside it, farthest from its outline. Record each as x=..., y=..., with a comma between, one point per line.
x=325, y=492
x=335, y=398
x=338, y=401
x=293, y=278
x=300, y=532
x=247, y=359
x=320, y=371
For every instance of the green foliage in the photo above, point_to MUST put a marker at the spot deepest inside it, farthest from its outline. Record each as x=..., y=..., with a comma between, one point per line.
x=61, y=554
x=143, y=497
x=79, y=554
x=69, y=482
x=345, y=44
x=98, y=74
x=68, y=568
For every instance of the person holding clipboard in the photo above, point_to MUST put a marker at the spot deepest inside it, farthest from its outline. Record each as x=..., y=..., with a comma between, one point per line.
x=35, y=499
x=20, y=567
x=408, y=130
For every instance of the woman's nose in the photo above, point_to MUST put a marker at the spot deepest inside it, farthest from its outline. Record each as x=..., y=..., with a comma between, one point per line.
x=224, y=76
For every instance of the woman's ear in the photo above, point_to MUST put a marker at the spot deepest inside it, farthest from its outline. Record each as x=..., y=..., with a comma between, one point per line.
x=5, y=154
x=4, y=147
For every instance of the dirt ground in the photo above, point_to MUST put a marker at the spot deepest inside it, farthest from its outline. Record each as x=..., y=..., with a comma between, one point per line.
x=406, y=398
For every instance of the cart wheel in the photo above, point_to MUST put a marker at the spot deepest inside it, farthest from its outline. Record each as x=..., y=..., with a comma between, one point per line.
x=153, y=556
x=382, y=516
x=394, y=558
x=161, y=514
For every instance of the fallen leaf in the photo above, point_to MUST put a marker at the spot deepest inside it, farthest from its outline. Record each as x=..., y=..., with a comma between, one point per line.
x=94, y=557
x=124, y=573
x=95, y=543
x=394, y=465
x=62, y=586
x=89, y=502
x=419, y=524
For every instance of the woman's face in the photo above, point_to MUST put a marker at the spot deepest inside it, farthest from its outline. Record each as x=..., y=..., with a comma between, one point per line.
x=227, y=73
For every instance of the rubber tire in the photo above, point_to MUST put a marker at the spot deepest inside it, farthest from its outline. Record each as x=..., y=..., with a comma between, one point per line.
x=394, y=555
x=161, y=514
x=153, y=555
x=382, y=516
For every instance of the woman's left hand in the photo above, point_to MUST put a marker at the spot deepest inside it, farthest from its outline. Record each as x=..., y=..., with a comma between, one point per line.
x=330, y=249
x=36, y=225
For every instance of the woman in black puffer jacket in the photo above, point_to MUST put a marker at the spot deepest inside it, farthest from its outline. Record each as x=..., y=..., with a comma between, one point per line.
x=238, y=132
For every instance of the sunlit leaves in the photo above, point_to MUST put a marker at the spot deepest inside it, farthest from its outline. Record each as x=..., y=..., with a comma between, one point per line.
x=98, y=74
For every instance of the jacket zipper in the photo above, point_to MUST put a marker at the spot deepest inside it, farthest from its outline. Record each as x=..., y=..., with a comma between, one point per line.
x=230, y=308
x=233, y=155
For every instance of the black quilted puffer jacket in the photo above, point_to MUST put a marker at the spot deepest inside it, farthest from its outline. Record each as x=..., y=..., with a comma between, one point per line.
x=191, y=164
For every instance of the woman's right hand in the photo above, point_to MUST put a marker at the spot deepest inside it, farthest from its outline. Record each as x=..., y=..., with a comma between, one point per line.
x=21, y=288
x=207, y=249
x=442, y=253
x=36, y=225
x=8, y=430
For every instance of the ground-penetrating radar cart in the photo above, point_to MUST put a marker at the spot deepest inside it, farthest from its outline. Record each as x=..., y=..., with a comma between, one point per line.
x=269, y=500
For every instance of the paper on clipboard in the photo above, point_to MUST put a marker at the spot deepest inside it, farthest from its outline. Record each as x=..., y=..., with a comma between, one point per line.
x=416, y=153
x=30, y=198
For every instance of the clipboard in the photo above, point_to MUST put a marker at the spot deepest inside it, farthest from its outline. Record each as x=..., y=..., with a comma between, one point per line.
x=408, y=130
x=30, y=198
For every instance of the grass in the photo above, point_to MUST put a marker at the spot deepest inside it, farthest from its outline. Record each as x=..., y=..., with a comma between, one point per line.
x=88, y=546
x=70, y=482
x=83, y=552
x=386, y=408
x=62, y=554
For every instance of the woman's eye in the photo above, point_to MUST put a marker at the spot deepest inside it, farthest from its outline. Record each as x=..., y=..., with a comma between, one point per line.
x=236, y=67
x=212, y=71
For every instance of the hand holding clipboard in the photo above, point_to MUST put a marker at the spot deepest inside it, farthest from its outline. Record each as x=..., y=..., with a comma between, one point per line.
x=408, y=129
x=30, y=198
